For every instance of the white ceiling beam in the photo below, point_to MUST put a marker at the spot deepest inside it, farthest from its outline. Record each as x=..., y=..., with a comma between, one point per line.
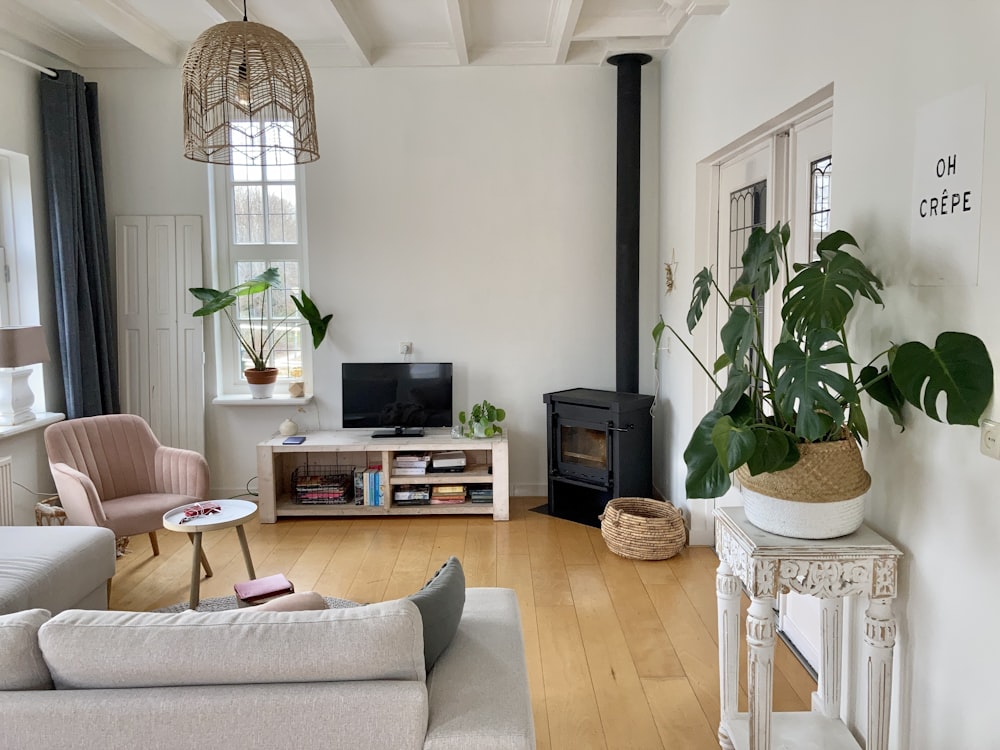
x=706, y=7
x=134, y=29
x=458, y=18
x=352, y=30
x=224, y=11
x=612, y=27
x=34, y=29
x=564, y=20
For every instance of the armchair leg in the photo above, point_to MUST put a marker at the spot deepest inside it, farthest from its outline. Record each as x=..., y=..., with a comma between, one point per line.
x=154, y=543
x=109, y=593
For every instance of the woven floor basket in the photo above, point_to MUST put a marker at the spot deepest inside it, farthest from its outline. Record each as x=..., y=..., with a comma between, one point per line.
x=643, y=529
x=825, y=473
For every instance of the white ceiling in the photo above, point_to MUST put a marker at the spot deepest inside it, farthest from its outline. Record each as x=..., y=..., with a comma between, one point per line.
x=358, y=33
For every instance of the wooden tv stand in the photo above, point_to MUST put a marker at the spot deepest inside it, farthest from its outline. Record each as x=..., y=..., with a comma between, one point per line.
x=346, y=450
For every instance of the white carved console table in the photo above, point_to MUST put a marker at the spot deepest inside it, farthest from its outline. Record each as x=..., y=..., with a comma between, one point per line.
x=829, y=569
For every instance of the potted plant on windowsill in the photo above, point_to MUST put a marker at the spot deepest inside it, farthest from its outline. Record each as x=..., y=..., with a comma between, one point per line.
x=783, y=415
x=260, y=338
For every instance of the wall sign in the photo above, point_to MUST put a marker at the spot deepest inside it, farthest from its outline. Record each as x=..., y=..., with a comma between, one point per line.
x=947, y=190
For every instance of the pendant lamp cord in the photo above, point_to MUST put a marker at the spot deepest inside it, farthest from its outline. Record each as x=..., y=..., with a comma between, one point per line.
x=244, y=10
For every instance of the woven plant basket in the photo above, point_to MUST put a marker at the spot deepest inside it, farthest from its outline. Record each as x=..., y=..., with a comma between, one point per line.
x=642, y=529
x=820, y=497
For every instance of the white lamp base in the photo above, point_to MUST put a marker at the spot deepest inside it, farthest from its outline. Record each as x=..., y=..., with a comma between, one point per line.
x=16, y=398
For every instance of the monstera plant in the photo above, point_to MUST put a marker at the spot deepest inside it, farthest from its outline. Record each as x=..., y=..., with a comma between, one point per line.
x=808, y=389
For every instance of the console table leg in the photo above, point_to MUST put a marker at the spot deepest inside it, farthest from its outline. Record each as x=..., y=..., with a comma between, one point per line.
x=727, y=590
x=760, y=673
x=880, y=638
x=827, y=694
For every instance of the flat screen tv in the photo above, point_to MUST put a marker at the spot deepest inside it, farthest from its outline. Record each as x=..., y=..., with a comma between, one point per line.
x=399, y=398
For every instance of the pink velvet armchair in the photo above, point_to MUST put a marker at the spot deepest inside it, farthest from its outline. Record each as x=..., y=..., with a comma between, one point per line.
x=112, y=471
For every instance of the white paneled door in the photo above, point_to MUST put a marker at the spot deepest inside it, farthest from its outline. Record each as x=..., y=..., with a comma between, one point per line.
x=160, y=342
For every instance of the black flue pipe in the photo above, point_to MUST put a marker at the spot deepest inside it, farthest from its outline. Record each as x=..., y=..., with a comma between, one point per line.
x=627, y=222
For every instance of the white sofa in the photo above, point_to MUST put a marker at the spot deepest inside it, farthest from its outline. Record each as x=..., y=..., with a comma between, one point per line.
x=336, y=678
x=55, y=567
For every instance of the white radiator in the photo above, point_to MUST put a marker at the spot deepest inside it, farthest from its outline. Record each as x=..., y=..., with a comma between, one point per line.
x=6, y=492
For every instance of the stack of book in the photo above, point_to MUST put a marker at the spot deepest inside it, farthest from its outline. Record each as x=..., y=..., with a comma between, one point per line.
x=448, y=461
x=368, y=486
x=416, y=494
x=482, y=494
x=410, y=464
x=448, y=494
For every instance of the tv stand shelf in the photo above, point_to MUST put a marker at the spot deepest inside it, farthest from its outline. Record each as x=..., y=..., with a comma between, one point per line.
x=349, y=449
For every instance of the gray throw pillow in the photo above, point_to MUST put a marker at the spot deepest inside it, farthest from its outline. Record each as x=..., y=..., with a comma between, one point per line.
x=441, y=602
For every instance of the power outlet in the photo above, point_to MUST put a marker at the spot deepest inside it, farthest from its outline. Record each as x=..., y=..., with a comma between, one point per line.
x=989, y=438
x=406, y=347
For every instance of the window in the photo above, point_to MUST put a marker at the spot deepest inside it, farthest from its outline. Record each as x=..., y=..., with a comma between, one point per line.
x=820, y=174
x=260, y=226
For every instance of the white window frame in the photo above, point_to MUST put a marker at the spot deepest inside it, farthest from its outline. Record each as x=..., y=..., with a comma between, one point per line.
x=226, y=253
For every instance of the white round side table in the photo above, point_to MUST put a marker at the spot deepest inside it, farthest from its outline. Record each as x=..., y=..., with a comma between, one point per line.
x=232, y=513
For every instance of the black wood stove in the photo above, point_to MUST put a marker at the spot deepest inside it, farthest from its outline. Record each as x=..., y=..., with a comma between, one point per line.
x=599, y=447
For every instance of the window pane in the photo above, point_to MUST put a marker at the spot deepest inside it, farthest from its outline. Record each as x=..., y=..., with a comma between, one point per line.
x=821, y=173
x=279, y=141
x=281, y=214
x=248, y=210
x=246, y=152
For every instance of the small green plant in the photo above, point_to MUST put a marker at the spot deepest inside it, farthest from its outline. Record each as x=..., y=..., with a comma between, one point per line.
x=260, y=340
x=482, y=420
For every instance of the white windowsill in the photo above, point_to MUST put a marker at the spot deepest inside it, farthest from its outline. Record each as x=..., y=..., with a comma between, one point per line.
x=42, y=420
x=279, y=399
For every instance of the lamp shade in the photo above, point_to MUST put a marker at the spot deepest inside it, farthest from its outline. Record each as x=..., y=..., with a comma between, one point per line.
x=247, y=83
x=22, y=345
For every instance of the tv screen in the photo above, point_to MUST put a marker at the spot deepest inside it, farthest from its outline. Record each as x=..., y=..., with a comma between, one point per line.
x=397, y=394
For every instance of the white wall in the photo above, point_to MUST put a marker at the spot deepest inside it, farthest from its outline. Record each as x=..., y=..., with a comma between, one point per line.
x=470, y=211
x=933, y=493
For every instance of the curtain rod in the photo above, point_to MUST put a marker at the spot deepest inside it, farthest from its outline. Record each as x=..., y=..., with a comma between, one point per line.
x=47, y=71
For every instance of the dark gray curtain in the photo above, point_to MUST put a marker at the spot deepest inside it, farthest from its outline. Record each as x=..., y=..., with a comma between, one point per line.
x=81, y=266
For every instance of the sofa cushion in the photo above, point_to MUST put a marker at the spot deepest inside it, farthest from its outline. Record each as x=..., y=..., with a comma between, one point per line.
x=441, y=601
x=21, y=664
x=53, y=567
x=85, y=649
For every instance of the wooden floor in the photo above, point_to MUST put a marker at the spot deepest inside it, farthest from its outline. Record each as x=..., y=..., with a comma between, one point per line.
x=621, y=653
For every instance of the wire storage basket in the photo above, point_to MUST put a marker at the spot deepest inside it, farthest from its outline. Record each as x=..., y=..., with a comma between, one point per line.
x=322, y=485
x=643, y=529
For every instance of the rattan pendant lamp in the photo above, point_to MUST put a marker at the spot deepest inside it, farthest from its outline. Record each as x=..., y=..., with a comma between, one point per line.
x=246, y=84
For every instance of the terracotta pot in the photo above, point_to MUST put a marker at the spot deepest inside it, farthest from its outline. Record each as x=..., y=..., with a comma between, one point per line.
x=821, y=497
x=261, y=382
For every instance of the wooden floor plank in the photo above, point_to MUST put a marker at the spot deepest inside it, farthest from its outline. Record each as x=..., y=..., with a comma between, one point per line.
x=573, y=716
x=612, y=671
x=679, y=718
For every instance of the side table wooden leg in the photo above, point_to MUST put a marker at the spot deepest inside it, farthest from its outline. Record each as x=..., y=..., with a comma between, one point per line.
x=880, y=638
x=826, y=699
x=760, y=673
x=727, y=592
x=196, y=570
x=246, y=550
